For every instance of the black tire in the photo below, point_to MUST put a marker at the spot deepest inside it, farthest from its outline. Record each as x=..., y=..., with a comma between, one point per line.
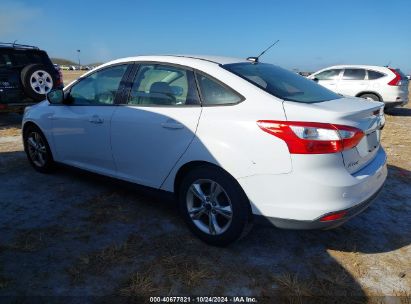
x=28, y=72
x=241, y=218
x=370, y=96
x=29, y=134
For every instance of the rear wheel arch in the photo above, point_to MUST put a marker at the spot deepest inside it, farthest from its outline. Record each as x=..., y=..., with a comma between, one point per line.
x=184, y=169
x=369, y=92
x=187, y=167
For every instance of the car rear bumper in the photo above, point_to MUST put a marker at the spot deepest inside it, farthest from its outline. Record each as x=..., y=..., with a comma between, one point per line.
x=301, y=198
x=318, y=224
x=396, y=96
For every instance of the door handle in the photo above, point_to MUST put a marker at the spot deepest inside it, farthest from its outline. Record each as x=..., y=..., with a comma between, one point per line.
x=96, y=119
x=172, y=124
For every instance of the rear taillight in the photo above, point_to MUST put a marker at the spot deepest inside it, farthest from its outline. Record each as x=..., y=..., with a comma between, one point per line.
x=59, y=79
x=397, y=80
x=313, y=137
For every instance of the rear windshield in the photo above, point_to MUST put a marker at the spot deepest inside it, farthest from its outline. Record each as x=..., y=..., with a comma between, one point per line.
x=282, y=83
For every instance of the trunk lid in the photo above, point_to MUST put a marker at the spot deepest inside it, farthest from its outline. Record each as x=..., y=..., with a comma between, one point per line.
x=356, y=112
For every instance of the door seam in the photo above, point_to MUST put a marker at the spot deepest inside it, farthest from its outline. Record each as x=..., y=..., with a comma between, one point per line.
x=184, y=152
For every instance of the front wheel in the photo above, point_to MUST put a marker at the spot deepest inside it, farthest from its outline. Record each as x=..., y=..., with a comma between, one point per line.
x=214, y=206
x=37, y=150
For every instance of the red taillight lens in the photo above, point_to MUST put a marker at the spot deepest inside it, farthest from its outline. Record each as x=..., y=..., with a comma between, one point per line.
x=313, y=137
x=333, y=216
x=350, y=136
x=397, y=80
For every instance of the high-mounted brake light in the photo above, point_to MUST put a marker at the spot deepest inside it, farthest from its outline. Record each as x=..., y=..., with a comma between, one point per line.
x=397, y=80
x=313, y=137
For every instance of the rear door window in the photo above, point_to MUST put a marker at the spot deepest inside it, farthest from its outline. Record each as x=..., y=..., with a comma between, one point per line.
x=328, y=75
x=354, y=74
x=163, y=85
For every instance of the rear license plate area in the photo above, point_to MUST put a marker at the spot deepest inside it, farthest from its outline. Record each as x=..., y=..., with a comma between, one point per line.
x=373, y=140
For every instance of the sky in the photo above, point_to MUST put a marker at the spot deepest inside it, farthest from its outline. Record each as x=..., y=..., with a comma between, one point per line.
x=313, y=33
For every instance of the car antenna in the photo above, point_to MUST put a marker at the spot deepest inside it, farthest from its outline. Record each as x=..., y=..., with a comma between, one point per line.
x=388, y=64
x=255, y=59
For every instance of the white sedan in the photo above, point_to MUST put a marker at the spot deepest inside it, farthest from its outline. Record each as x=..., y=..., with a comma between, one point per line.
x=234, y=140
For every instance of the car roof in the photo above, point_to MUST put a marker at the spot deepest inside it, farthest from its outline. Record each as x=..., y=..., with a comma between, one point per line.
x=357, y=66
x=194, y=61
x=215, y=59
x=17, y=46
x=20, y=49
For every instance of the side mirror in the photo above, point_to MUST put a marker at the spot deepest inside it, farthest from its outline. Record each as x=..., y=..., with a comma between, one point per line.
x=315, y=80
x=55, y=96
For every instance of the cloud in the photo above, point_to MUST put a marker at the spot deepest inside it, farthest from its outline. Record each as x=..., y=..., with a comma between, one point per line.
x=16, y=17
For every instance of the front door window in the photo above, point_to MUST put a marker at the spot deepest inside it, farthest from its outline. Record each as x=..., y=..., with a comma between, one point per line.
x=99, y=88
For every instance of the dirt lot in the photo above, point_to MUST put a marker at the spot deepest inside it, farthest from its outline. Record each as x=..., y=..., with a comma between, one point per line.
x=76, y=234
x=69, y=76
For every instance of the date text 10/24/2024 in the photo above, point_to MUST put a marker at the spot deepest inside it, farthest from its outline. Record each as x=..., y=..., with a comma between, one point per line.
x=169, y=299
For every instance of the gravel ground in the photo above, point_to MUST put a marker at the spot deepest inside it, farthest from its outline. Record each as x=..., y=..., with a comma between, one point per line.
x=77, y=234
x=69, y=76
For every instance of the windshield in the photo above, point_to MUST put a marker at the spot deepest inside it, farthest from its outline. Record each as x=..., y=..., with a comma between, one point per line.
x=282, y=83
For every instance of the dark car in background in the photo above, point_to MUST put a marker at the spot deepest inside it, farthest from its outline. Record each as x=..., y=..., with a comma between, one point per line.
x=26, y=76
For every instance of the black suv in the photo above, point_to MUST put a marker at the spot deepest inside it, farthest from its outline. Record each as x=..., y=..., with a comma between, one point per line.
x=26, y=76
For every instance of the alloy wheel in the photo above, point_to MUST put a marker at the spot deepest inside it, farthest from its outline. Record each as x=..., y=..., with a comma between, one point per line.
x=37, y=149
x=41, y=82
x=209, y=206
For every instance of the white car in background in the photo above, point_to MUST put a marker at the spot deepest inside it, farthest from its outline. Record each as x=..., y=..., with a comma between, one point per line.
x=377, y=83
x=233, y=139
